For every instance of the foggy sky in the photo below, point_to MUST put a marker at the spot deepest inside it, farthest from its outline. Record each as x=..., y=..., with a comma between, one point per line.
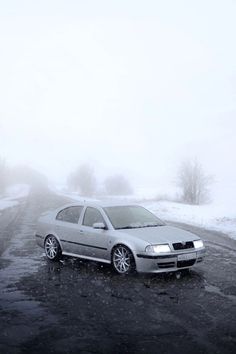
x=130, y=86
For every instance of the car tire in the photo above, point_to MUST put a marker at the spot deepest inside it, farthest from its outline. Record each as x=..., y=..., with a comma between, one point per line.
x=123, y=260
x=52, y=248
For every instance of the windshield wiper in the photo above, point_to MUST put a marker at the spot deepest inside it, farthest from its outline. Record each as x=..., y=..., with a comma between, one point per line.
x=153, y=225
x=138, y=226
x=125, y=227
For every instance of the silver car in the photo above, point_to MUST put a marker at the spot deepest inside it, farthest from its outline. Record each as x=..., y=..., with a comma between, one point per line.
x=127, y=236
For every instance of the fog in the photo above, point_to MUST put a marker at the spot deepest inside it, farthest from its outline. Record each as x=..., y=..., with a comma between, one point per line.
x=131, y=87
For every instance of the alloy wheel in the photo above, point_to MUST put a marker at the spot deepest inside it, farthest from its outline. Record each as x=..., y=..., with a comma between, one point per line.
x=52, y=248
x=122, y=260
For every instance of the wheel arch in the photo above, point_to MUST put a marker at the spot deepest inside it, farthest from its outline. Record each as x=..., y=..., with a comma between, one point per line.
x=132, y=265
x=56, y=237
x=122, y=244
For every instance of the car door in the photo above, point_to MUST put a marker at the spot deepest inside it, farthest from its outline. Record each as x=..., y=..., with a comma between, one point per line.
x=67, y=228
x=95, y=240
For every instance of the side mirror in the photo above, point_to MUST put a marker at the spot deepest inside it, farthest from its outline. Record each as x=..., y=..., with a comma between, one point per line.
x=99, y=225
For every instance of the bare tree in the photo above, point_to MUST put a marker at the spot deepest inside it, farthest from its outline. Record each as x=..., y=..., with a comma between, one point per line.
x=117, y=185
x=83, y=180
x=194, y=183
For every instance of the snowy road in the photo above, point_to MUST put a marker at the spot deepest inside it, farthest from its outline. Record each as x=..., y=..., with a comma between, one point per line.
x=83, y=307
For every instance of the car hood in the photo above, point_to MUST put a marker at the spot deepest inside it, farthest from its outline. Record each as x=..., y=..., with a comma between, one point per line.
x=161, y=234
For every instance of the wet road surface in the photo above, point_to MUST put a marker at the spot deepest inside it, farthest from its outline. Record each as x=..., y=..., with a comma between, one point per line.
x=76, y=306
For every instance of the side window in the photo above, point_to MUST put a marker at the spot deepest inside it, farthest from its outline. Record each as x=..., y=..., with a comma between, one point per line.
x=91, y=216
x=70, y=214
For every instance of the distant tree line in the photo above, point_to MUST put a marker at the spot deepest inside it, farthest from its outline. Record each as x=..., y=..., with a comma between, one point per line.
x=192, y=181
x=83, y=181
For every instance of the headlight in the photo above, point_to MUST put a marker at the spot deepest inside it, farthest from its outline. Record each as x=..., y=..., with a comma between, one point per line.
x=198, y=244
x=158, y=249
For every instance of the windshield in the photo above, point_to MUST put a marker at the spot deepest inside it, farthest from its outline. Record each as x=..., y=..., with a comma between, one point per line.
x=131, y=217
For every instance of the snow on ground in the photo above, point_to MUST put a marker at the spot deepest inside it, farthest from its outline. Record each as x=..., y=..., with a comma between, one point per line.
x=213, y=216
x=12, y=194
x=72, y=195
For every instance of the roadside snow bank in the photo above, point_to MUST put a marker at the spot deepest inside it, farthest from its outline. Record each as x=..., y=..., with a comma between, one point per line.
x=13, y=193
x=212, y=216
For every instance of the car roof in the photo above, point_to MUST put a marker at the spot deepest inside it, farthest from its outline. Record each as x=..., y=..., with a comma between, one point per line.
x=99, y=203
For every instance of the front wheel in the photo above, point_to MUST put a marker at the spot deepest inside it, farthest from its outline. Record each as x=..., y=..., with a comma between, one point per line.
x=123, y=260
x=52, y=248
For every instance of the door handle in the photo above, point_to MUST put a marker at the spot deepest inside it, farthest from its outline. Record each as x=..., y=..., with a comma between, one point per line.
x=81, y=231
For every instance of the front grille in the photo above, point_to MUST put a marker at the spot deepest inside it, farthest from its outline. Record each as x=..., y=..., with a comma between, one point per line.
x=166, y=265
x=189, y=263
x=183, y=246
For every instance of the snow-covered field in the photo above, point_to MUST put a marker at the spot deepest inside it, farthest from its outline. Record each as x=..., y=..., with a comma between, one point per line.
x=211, y=216
x=12, y=194
x=218, y=215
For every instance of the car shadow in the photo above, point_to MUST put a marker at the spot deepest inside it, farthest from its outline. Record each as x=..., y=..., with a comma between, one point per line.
x=75, y=269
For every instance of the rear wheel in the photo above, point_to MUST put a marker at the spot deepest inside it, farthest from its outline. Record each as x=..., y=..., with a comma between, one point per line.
x=52, y=248
x=123, y=260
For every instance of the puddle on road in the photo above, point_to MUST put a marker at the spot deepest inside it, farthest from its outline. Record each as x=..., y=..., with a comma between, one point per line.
x=221, y=249
x=215, y=290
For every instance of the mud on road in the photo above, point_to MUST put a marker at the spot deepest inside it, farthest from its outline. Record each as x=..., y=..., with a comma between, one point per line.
x=75, y=306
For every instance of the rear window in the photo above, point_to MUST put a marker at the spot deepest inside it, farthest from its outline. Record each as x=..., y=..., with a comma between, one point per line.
x=70, y=214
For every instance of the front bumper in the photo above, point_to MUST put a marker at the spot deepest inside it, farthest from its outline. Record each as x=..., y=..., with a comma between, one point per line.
x=174, y=261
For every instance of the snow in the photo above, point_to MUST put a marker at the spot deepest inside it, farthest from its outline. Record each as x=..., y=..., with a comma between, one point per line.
x=219, y=217
x=74, y=196
x=12, y=194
